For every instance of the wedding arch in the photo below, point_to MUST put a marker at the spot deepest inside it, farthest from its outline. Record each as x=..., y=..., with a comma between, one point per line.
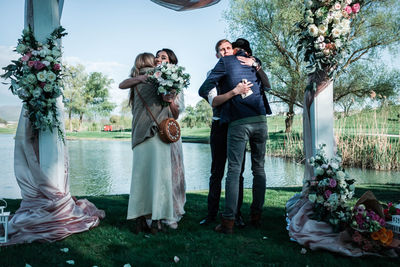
x=41, y=165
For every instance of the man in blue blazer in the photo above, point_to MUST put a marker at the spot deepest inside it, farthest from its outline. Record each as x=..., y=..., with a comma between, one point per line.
x=246, y=116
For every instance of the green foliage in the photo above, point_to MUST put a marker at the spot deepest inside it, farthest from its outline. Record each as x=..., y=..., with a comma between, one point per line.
x=271, y=28
x=200, y=115
x=113, y=243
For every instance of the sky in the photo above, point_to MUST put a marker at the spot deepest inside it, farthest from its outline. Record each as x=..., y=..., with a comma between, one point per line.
x=106, y=36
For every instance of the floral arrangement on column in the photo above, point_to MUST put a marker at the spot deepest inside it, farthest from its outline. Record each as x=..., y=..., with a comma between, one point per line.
x=325, y=32
x=36, y=78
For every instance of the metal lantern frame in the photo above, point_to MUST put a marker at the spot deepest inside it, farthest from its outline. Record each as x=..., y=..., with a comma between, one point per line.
x=4, y=215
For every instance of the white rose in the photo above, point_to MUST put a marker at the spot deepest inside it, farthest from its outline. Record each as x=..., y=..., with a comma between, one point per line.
x=309, y=20
x=335, y=33
x=338, y=43
x=309, y=13
x=319, y=171
x=322, y=47
x=41, y=76
x=21, y=48
x=320, y=39
x=348, y=2
x=46, y=63
x=313, y=30
x=316, y=45
x=308, y=3
x=312, y=197
x=338, y=6
x=322, y=29
x=319, y=13
x=51, y=76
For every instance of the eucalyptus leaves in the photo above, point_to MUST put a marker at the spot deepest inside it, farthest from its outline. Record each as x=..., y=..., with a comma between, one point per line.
x=36, y=79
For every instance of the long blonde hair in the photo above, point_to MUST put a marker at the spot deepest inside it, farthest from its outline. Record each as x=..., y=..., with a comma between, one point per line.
x=142, y=60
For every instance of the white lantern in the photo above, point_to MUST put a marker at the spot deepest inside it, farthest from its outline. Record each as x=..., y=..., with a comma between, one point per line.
x=394, y=225
x=4, y=220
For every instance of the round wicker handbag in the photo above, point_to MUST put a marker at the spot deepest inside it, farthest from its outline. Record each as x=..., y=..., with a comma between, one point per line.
x=168, y=130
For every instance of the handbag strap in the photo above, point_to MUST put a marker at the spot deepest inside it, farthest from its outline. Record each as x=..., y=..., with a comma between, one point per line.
x=147, y=107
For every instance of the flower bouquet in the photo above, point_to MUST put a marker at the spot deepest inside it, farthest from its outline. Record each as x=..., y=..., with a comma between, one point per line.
x=368, y=225
x=36, y=79
x=330, y=190
x=391, y=210
x=169, y=79
x=324, y=33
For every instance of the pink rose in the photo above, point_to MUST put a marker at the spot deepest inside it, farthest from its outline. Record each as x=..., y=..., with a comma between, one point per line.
x=348, y=9
x=357, y=237
x=25, y=58
x=332, y=183
x=39, y=65
x=57, y=67
x=356, y=8
x=31, y=63
x=327, y=194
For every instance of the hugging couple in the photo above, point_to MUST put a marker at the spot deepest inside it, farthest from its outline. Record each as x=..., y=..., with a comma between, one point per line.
x=235, y=88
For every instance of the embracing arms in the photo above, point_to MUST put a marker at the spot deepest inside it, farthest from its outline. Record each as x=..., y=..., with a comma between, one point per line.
x=130, y=82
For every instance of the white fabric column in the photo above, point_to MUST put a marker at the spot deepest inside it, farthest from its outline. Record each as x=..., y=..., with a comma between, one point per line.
x=321, y=118
x=45, y=18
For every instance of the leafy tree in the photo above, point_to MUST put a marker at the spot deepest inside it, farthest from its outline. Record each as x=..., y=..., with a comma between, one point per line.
x=96, y=96
x=271, y=28
x=199, y=115
x=362, y=81
x=75, y=79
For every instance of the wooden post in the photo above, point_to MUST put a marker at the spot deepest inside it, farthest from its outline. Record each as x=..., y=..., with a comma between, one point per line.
x=44, y=16
x=321, y=119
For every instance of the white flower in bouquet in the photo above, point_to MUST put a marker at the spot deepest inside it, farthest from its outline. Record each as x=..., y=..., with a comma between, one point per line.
x=322, y=46
x=49, y=58
x=35, y=53
x=309, y=13
x=31, y=78
x=340, y=175
x=44, y=52
x=320, y=38
x=334, y=165
x=41, y=76
x=338, y=43
x=308, y=3
x=20, y=48
x=337, y=6
x=319, y=13
x=322, y=29
x=313, y=30
x=312, y=197
x=37, y=92
x=56, y=52
x=309, y=20
x=319, y=171
x=48, y=88
x=46, y=63
x=51, y=76
x=348, y=2
x=316, y=45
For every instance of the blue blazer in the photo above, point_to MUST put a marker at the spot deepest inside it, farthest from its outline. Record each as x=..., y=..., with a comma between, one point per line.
x=227, y=74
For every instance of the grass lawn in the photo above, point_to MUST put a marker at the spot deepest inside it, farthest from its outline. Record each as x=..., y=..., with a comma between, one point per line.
x=113, y=244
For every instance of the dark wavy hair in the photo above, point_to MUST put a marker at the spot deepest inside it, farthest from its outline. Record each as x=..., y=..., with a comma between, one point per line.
x=171, y=55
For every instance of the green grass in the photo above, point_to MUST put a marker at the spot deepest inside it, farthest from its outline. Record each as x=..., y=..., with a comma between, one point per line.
x=98, y=135
x=113, y=244
x=8, y=130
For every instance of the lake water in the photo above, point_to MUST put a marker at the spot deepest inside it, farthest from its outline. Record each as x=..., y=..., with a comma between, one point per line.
x=104, y=167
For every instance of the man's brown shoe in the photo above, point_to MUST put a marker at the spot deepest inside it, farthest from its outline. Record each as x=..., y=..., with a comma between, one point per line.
x=226, y=226
x=255, y=220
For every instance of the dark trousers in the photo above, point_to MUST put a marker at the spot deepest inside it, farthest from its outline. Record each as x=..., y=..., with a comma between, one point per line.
x=218, y=143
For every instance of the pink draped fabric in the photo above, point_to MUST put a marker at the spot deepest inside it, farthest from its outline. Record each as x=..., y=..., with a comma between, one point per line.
x=307, y=232
x=184, y=5
x=47, y=211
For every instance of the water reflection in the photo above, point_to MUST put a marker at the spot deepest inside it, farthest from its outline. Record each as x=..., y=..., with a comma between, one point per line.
x=104, y=167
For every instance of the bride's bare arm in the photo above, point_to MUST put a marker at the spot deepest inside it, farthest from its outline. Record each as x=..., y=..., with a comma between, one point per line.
x=130, y=82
